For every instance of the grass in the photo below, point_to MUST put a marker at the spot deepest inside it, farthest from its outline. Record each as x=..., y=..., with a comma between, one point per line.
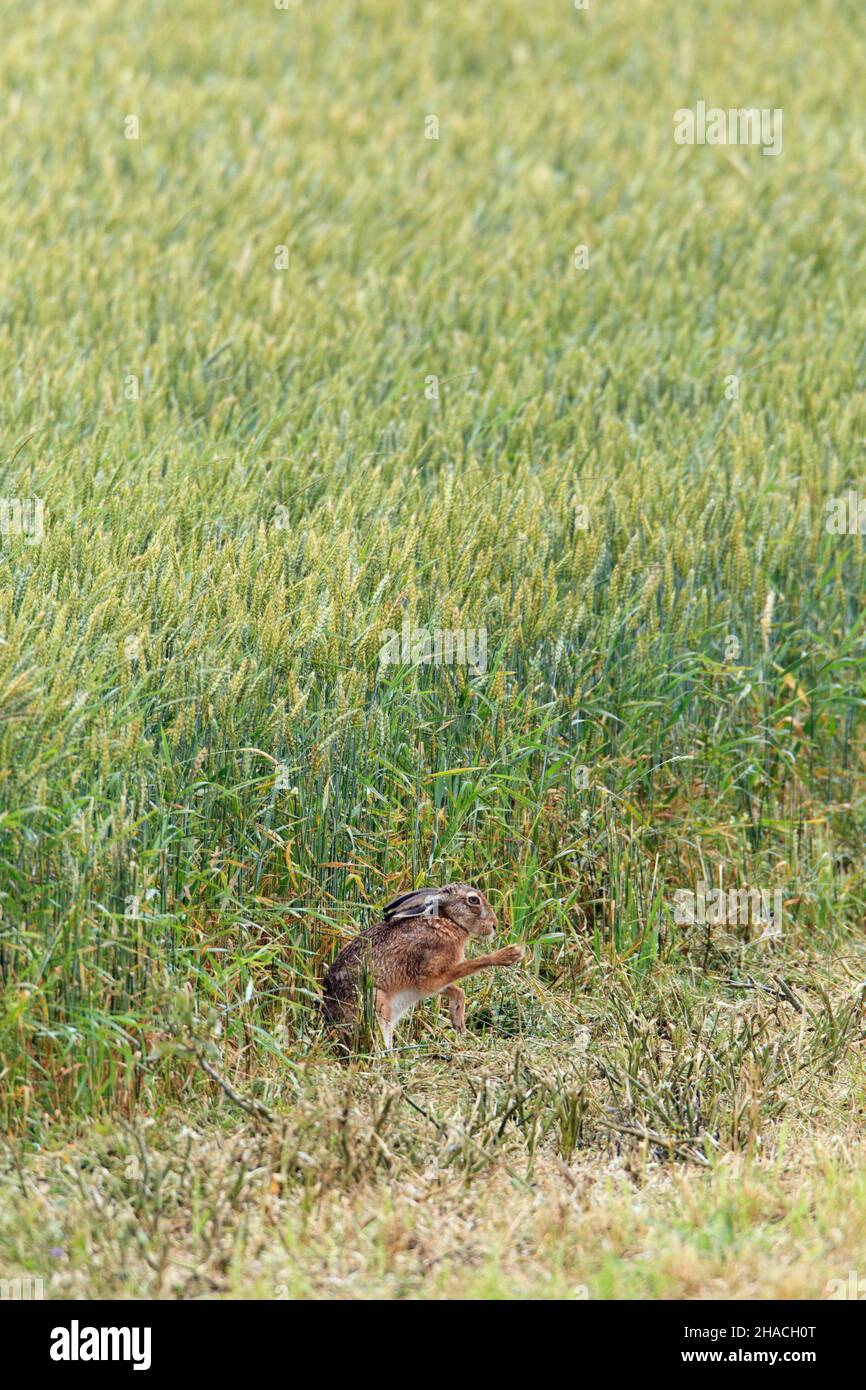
x=208, y=779
x=684, y=1141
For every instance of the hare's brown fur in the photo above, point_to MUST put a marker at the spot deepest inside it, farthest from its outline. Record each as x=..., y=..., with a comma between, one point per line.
x=417, y=951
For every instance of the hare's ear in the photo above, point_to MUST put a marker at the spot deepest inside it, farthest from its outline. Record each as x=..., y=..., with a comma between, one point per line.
x=423, y=903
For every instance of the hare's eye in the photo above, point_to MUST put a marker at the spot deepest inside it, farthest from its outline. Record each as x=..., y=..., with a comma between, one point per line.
x=473, y=899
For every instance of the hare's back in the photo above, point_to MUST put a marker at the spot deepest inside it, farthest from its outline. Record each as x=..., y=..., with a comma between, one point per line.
x=392, y=951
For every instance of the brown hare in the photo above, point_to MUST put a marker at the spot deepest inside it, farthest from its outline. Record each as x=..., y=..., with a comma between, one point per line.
x=418, y=950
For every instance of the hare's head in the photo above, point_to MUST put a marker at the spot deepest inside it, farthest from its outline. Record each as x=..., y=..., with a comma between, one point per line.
x=460, y=903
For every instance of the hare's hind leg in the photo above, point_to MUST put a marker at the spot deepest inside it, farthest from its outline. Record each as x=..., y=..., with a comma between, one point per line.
x=456, y=1007
x=386, y=1022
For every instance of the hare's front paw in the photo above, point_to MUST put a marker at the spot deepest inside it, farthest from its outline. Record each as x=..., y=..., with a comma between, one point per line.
x=509, y=955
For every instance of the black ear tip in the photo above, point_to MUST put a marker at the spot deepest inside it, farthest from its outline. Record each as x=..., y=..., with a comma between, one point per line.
x=422, y=901
x=391, y=907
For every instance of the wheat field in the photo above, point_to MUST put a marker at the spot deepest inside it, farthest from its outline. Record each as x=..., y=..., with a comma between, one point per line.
x=322, y=323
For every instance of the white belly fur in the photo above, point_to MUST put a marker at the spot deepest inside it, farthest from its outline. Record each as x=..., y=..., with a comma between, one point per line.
x=402, y=1001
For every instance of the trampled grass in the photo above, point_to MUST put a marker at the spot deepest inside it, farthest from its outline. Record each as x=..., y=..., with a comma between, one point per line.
x=287, y=374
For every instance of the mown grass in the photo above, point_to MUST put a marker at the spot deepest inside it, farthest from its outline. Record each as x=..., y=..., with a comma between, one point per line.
x=676, y=1140
x=208, y=779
